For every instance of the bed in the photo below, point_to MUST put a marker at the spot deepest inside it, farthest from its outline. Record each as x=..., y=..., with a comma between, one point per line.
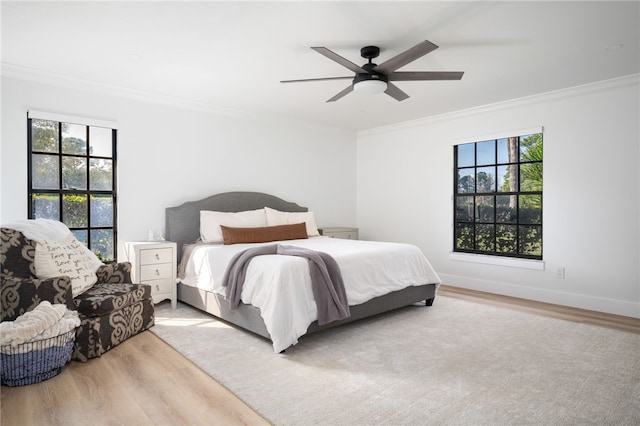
x=183, y=227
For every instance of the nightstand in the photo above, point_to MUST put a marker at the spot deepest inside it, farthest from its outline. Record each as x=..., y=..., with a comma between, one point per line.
x=340, y=232
x=154, y=263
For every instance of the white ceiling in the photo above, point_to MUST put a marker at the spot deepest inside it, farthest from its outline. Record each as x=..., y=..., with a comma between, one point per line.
x=232, y=55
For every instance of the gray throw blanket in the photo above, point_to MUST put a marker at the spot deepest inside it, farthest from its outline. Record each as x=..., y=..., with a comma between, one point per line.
x=326, y=279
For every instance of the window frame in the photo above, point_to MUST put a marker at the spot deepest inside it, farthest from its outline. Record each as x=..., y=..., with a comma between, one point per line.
x=494, y=255
x=87, y=156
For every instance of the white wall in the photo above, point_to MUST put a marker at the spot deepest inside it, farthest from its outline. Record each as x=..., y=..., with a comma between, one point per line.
x=168, y=155
x=591, y=194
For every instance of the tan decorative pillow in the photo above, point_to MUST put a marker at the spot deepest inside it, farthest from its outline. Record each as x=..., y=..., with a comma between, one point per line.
x=263, y=234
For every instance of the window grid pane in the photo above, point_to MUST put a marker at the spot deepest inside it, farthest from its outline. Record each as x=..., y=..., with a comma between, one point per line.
x=74, y=139
x=101, y=211
x=486, y=153
x=100, y=141
x=102, y=243
x=466, y=180
x=74, y=173
x=100, y=174
x=45, y=136
x=45, y=206
x=485, y=179
x=45, y=171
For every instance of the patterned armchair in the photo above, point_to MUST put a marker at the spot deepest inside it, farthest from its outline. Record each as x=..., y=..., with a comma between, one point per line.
x=111, y=311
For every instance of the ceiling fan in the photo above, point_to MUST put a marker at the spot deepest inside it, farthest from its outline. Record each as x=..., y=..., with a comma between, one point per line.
x=373, y=78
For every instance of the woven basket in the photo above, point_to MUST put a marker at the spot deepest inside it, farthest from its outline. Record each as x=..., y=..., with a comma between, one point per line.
x=33, y=362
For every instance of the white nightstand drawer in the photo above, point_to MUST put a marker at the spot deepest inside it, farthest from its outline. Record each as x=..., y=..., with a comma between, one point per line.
x=157, y=255
x=161, y=286
x=341, y=232
x=344, y=235
x=156, y=272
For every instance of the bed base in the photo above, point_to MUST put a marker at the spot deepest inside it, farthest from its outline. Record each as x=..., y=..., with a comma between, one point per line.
x=248, y=317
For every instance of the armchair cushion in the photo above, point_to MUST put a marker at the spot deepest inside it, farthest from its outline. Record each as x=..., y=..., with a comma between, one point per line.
x=20, y=295
x=102, y=299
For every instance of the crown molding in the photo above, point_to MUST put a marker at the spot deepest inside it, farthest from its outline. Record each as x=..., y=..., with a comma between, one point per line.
x=59, y=80
x=628, y=80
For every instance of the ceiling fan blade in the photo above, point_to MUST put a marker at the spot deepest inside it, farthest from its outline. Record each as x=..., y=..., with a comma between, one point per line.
x=341, y=94
x=339, y=59
x=316, y=79
x=425, y=75
x=395, y=92
x=405, y=57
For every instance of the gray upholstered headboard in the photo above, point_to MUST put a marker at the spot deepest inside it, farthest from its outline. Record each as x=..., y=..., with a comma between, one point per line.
x=182, y=223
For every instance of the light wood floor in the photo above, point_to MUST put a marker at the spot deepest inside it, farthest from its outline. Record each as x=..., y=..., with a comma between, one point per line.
x=616, y=322
x=144, y=381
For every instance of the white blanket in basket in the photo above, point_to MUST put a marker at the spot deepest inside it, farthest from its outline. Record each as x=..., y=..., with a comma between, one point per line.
x=45, y=321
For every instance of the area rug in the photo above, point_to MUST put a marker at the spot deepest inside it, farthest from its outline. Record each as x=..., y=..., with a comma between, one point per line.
x=454, y=363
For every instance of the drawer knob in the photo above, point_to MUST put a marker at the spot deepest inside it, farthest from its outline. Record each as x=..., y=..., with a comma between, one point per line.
x=157, y=256
x=157, y=287
x=157, y=272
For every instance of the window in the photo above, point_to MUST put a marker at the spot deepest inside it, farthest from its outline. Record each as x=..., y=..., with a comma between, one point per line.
x=72, y=178
x=498, y=197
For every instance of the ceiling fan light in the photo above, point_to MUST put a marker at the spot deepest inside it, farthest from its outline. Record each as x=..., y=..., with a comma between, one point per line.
x=370, y=87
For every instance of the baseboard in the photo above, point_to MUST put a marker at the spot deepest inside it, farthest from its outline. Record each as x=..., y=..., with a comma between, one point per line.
x=598, y=304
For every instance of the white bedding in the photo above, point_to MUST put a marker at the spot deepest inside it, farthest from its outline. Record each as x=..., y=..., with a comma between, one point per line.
x=281, y=287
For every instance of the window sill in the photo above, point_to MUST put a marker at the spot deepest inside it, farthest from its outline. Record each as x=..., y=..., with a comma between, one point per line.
x=497, y=260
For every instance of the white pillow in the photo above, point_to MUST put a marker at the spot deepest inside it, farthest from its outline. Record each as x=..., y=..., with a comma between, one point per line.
x=210, y=221
x=276, y=217
x=67, y=257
